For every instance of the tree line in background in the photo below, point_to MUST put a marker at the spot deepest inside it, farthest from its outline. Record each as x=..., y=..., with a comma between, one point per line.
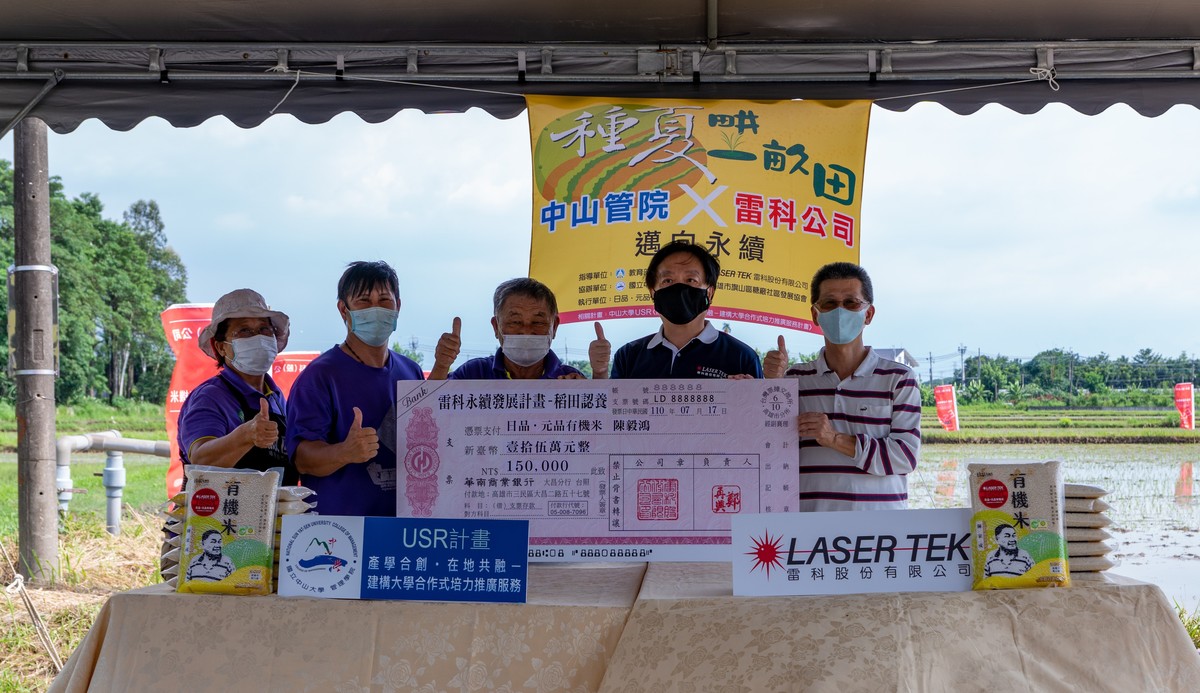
x=1061, y=377
x=114, y=279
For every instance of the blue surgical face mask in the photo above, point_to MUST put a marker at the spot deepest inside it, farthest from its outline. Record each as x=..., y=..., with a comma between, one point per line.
x=842, y=326
x=373, y=325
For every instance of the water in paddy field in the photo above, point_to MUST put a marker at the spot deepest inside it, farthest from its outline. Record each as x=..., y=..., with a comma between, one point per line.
x=1154, y=491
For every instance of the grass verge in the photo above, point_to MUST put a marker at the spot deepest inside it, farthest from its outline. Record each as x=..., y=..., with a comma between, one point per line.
x=1191, y=623
x=92, y=566
x=145, y=486
x=140, y=420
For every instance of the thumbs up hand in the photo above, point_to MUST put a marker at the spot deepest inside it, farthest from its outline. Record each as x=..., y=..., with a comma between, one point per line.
x=261, y=431
x=775, y=362
x=361, y=444
x=599, y=352
x=448, y=346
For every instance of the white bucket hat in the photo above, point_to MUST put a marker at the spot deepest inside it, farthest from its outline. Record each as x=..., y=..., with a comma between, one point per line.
x=243, y=303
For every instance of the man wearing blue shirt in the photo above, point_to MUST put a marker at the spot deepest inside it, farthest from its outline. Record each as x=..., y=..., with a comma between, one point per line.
x=524, y=320
x=682, y=278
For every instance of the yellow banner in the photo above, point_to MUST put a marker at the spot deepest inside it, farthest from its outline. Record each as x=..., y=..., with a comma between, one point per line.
x=772, y=188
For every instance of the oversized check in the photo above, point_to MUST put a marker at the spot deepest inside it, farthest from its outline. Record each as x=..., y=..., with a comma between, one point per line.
x=645, y=470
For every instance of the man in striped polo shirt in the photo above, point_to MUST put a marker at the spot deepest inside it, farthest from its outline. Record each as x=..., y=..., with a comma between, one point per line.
x=860, y=420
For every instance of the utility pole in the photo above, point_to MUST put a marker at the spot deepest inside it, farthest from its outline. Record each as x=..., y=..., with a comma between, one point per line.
x=962, y=364
x=36, y=343
x=931, y=369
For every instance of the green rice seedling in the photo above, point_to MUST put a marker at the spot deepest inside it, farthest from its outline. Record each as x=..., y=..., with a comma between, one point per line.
x=1191, y=623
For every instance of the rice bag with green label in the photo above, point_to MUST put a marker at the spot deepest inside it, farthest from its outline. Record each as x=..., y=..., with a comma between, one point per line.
x=229, y=531
x=1018, y=526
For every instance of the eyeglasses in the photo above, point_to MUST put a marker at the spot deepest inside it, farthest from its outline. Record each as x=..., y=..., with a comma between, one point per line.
x=247, y=332
x=851, y=304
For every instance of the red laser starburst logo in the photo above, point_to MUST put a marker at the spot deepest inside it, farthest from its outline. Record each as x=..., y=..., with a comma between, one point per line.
x=767, y=553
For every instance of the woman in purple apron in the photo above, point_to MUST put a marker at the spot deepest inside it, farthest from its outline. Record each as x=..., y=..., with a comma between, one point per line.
x=237, y=417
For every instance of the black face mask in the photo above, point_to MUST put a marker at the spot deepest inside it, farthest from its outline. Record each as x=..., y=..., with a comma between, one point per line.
x=680, y=303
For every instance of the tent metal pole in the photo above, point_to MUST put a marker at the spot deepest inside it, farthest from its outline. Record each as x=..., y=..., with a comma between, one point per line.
x=50, y=84
x=712, y=17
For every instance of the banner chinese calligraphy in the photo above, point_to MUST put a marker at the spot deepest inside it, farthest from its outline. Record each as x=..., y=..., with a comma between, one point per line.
x=1185, y=402
x=772, y=189
x=947, y=406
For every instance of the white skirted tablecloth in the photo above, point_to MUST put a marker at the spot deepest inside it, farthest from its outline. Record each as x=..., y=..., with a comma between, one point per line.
x=153, y=639
x=629, y=627
x=687, y=633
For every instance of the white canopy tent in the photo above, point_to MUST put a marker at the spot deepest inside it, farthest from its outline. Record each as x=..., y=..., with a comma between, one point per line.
x=122, y=61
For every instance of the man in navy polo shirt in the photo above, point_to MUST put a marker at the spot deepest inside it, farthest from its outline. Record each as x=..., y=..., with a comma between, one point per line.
x=525, y=318
x=682, y=278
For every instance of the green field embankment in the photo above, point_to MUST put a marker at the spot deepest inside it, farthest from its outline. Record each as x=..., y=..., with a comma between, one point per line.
x=133, y=419
x=994, y=425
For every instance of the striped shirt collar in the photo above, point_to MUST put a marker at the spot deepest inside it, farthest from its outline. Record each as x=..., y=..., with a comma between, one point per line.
x=867, y=367
x=707, y=336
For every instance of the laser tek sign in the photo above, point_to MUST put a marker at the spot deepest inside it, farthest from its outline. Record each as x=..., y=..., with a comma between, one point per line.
x=852, y=552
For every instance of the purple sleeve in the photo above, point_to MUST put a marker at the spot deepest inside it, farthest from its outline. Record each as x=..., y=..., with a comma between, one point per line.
x=206, y=414
x=310, y=413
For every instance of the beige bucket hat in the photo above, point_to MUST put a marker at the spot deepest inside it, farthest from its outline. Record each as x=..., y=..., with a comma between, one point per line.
x=243, y=303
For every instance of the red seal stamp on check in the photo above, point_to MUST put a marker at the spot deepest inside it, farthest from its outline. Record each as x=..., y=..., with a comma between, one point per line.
x=658, y=499
x=726, y=498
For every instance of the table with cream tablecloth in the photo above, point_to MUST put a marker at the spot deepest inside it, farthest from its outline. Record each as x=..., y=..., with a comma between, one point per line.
x=153, y=639
x=665, y=627
x=687, y=633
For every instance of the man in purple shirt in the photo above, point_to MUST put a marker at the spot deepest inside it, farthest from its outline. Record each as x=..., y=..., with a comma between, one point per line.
x=342, y=398
x=525, y=318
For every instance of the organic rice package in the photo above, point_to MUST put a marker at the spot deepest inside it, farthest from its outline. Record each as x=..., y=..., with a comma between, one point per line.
x=229, y=531
x=1018, y=526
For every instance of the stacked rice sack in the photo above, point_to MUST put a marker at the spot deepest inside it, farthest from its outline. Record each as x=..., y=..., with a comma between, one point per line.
x=172, y=513
x=1086, y=535
x=222, y=536
x=1017, y=523
x=229, y=517
x=292, y=501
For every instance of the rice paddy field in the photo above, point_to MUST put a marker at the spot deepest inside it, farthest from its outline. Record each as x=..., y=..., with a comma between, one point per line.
x=1152, y=489
x=985, y=425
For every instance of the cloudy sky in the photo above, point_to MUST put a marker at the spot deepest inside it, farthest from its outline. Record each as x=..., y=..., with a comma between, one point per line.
x=1004, y=233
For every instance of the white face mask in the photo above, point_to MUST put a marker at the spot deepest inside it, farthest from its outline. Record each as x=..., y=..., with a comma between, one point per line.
x=253, y=355
x=525, y=349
